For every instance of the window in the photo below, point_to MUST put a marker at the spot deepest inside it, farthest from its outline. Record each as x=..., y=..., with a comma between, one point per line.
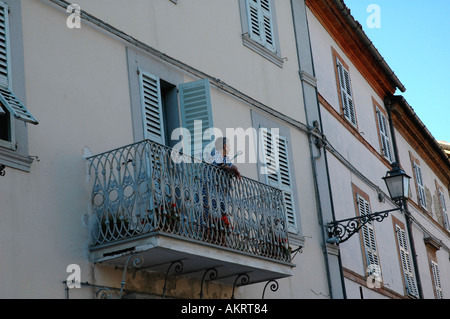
x=160, y=109
x=372, y=260
x=383, y=130
x=259, y=28
x=196, y=113
x=275, y=158
x=10, y=104
x=444, y=212
x=13, y=137
x=436, y=280
x=419, y=184
x=260, y=23
x=344, y=89
x=405, y=260
x=345, y=92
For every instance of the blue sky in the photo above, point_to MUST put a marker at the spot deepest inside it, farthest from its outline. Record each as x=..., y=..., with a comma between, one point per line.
x=414, y=39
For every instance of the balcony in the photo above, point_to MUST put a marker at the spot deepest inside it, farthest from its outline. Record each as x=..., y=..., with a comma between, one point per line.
x=148, y=199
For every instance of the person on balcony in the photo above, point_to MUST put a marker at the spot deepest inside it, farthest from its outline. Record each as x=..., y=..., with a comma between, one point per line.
x=217, y=187
x=219, y=157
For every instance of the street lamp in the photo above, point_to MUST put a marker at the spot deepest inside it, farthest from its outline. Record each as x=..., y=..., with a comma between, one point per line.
x=397, y=183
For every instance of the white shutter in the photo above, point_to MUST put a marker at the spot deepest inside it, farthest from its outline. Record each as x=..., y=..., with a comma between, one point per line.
x=436, y=280
x=7, y=97
x=260, y=23
x=196, y=113
x=420, y=186
x=444, y=210
x=151, y=105
x=384, y=135
x=275, y=158
x=368, y=233
x=405, y=258
x=346, y=92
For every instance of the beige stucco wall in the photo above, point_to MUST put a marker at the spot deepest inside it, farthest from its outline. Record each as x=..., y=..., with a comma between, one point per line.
x=77, y=86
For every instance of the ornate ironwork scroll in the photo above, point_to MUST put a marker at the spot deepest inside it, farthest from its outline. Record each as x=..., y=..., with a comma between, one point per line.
x=245, y=279
x=137, y=261
x=144, y=187
x=273, y=286
x=212, y=275
x=340, y=231
x=177, y=270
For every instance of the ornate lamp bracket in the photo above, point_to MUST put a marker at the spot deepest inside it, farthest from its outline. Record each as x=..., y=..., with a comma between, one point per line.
x=341, y=230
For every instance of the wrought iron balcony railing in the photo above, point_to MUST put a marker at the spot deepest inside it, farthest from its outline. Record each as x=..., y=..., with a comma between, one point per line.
x=140, y=190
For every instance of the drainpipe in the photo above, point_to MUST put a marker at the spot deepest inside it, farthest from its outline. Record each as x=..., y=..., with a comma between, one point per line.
x=388, y=105
x=319, y=162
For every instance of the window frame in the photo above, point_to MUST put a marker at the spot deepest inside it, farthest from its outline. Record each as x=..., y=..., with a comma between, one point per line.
x=383, y=137
x=370, y=250
x=273, y=55
x=14, y=153
x=261, y=121
x=339, y=61
x=408, y=274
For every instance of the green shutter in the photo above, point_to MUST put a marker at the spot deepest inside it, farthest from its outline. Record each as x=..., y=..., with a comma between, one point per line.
x=151, y=106
x=196, y=113
x=260, y=23
x=7, y=97
x=277, y=170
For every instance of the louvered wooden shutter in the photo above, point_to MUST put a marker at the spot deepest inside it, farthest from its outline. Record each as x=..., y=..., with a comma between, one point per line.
x=8, y=99
x=444, y=210
x=368, y=233
x=405, y=258
x=196, y=113
x=4, y=46
x=384, y=135
x=437, y=280
x=420, y=185
x=261, y=23
x=346, y=92
x=276, y=161
x=151, y=105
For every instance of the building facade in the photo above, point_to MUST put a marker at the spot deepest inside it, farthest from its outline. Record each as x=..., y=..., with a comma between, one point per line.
x=109, y=120
x=98, y=199
x=368, y=128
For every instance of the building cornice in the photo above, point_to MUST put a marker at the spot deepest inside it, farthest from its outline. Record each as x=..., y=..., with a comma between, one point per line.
x=348, y=34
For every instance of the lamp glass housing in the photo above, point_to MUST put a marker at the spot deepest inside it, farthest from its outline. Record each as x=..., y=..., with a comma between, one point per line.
x=397, y=183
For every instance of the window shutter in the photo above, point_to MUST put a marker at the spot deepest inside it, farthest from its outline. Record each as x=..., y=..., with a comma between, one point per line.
x=346, y=93
x=151, y=105
x=7, y=97
x=260, y=23
x=444, y=210
x=437, y=280
x=196, y=110
x=368, y=233
x=4, y=45
x=420, y=186
x=275, y=158
x=384, y=135
x=406, y=262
